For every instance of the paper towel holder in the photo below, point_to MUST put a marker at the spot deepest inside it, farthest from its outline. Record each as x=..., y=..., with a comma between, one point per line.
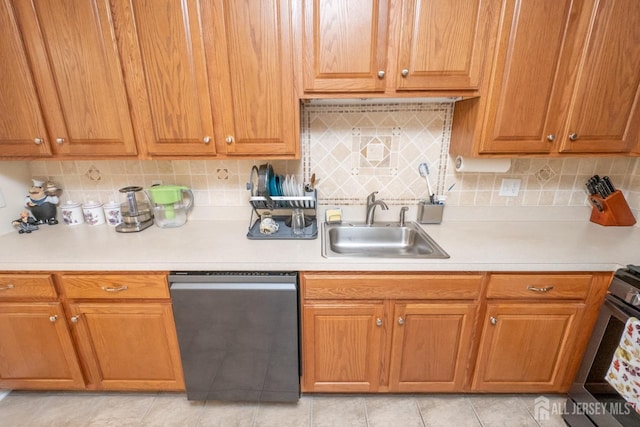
x=482, y=165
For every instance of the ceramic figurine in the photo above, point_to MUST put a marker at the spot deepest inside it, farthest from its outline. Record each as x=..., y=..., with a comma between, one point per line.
x=42, y=203
x=26, y=223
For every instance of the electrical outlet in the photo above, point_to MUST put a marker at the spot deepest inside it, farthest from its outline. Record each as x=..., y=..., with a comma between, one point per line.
x=510, y=187
x=156, y=182
x=2, y=203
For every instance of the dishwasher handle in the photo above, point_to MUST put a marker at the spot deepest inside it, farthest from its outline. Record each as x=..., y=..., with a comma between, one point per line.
x=240, y=286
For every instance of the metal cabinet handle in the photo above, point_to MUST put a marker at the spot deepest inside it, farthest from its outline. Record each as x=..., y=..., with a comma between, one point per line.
x=229, y=139
x=400, y=320
x=378, y=322
x=573, y=136
x=38, y=141
x=53, y=318
x=493, y=320
x=206, y=139
x=74, y=319
x=542, y=290
x=551, y=137
x=381, y=74
x=118, y=289
x=59, y=140
x=404, y=72
x=6, y=288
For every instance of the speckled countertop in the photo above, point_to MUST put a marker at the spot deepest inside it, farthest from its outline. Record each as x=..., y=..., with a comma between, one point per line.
x=213, y=241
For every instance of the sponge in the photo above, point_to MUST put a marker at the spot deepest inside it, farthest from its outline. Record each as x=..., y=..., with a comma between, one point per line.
x=333, y=216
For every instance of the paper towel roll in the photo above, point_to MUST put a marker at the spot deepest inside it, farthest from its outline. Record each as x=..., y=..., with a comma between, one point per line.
x=466, y=164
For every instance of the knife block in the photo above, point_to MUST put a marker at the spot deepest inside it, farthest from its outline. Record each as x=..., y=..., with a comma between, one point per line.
x=613, y=210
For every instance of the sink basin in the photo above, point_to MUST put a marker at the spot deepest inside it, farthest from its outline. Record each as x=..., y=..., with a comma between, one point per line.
x=379, y=241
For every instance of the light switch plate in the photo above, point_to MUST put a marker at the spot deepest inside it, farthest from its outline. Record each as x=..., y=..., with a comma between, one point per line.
x=2, y=203
x=510, y=187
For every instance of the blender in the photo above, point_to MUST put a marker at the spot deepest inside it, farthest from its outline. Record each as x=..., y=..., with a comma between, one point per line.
x=135, y=210
x=170, y=206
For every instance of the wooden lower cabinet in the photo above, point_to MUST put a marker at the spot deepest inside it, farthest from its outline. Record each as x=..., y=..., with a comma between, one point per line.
x=128, y=346
x=535, y=329
x=36, y=350
x=525, y=347
x=343, y=348
x=431, y=346
x=360, y=340
x=66, y=331
x=446, y=332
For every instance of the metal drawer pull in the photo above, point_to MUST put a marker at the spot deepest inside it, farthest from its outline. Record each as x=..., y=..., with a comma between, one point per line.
x=118, y=289
x=493, y=320
x=53, y=318
x=400, y=320
x=379, y=322
x=545, y=289
x=6, y=288
x=74, y=319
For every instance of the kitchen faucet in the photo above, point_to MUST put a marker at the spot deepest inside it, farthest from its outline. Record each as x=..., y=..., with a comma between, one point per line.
x=371, y=207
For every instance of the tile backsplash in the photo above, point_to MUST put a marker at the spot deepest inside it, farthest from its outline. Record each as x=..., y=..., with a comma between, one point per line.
x=354, y=149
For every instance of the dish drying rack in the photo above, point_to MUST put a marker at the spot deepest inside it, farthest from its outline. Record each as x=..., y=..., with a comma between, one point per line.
x=280, y=209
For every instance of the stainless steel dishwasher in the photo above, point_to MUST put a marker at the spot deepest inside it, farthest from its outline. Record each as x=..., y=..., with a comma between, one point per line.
x=238, y=334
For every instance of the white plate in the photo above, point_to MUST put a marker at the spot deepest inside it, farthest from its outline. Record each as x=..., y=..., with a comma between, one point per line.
x=293, y=186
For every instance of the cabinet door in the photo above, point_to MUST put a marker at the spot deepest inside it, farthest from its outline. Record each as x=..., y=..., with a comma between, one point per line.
x=22, y=128
x=257, y=112
x=431, y=346
x=342, y=345
x=523, y=111
x=526, y=347
x=605, y=115
x=167, y=52
x=443, y=43
x=129, y=346
x=345, y=45
x=73, y=53
x=36, y=351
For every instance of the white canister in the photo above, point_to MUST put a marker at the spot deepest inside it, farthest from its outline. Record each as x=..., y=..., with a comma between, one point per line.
x=112, y=213
x=72, y=213
x=93, y=213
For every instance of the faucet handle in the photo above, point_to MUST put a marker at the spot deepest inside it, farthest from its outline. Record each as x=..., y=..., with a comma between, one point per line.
x=403, y=211
x=371, y=198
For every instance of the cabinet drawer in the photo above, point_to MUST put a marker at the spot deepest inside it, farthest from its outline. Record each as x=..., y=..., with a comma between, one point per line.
x=13, y=286
x=389, y=285
x=118, y=286
x=535, y=286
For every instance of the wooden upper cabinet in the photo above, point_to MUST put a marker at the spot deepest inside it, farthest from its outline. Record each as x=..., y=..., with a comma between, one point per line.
x=443, y=43
x=604, y=114
x=572, y=87
x=522, y=114
x=75, y=62
x=173, y=110
x=345, y=45
x=22, y=128
x=393, y=47
x=256, y=111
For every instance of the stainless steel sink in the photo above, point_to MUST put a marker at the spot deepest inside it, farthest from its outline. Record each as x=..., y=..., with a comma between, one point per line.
x=379, y=241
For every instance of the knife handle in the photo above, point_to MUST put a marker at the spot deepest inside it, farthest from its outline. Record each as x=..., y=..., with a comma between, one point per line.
x=607, y=182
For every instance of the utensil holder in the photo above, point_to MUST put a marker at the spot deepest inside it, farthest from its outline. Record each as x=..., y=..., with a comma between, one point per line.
x=612, y=210
x=429, y=213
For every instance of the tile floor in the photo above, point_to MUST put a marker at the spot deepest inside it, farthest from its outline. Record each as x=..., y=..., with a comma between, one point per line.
x=69, y=409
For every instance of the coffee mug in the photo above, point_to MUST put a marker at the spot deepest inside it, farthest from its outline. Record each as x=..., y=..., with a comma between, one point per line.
x=268, y=225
